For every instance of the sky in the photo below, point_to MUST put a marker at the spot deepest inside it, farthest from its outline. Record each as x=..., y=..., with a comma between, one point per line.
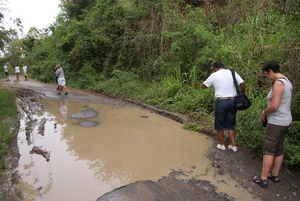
x=33, y=13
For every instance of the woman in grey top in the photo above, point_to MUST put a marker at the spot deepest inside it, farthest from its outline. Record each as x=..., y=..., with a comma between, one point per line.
x=279, y=118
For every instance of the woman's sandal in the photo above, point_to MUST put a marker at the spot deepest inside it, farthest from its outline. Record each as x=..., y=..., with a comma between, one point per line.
x=263, y=183
x=276, y=179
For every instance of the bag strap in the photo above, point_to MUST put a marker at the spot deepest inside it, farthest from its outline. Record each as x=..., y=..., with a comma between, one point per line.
x=235, y=82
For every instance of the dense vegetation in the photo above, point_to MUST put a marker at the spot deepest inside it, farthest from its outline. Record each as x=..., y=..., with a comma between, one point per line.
x=8, y=114
x=160, y=51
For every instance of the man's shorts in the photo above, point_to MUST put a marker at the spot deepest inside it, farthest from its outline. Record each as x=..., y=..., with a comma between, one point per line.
x=61, y=81
x=6, y=73
x=225, y=113
x=273, y=141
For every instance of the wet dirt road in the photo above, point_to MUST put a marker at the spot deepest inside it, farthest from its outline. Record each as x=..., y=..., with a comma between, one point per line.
x=123, y=145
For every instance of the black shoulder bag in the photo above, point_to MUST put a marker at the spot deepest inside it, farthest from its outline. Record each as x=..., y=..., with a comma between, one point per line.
x=241, y=101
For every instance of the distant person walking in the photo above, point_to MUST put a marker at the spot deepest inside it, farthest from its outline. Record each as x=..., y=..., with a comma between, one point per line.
x=25, y=72
x=56, y=77
x=17, y=72
x=61, y=79
x=6, y=72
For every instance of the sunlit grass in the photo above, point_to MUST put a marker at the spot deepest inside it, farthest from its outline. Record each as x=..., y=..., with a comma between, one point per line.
x=8, y=113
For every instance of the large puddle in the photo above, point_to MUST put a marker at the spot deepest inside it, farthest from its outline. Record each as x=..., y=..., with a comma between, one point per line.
x=92, y=156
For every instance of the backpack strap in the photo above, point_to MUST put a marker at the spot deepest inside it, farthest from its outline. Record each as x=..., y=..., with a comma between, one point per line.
x=234, y=81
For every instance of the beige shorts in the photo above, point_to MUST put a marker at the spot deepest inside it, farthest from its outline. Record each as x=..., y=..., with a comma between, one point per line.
x=273, y=141
x=61, y=81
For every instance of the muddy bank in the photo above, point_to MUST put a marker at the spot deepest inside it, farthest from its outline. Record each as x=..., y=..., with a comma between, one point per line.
x=166, y=189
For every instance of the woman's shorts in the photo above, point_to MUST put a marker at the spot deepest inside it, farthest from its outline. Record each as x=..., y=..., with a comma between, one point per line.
x=273, y=141
x=61, y=81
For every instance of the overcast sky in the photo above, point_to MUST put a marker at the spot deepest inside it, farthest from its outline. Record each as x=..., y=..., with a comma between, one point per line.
x=33, y=13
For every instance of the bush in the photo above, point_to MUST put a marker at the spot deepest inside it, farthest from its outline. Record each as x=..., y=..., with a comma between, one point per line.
x=292, y=145
x=8, y=113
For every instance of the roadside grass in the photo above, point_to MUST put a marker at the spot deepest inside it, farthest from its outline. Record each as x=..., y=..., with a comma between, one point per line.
x=8, y=114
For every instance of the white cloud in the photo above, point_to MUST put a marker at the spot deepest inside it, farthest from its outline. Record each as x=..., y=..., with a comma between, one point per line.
x=33, y=13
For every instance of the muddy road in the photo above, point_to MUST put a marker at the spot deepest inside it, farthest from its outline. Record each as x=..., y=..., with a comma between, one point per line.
x=232, y=170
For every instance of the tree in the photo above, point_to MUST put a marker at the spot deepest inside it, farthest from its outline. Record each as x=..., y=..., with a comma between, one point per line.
x=74, y=8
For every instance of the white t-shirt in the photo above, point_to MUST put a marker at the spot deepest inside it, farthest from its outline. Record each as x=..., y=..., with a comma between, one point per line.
x=25, y=69
x=5, y=69
x=17, y=69
x=222, y=81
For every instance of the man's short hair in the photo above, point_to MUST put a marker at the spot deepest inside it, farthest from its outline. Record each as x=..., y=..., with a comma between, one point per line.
x=218, y=65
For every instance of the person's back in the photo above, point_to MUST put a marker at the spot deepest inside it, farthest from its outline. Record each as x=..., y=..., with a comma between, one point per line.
x=25, y=72
x=223, y=83
x=6, y=72
x=60, y=72
x=61, y=79
x=24, y=69
x=17, y=69
x=225, y=110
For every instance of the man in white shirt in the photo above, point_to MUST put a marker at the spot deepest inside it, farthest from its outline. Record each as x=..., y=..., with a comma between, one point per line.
x=25, y=71
x=6, y=72
x=17, y=71
x=225, y=110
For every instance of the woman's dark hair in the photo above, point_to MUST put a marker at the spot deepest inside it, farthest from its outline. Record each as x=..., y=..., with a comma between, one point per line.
x=271, y=65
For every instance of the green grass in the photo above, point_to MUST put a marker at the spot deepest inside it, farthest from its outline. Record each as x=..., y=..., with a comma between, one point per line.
x=174, y=95
x=8, y=114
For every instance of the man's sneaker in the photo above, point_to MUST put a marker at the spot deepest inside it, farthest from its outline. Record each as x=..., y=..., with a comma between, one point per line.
x=234, y=149
x=222, y=147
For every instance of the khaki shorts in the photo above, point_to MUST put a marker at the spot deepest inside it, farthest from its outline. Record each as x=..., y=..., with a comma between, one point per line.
x=273, y=141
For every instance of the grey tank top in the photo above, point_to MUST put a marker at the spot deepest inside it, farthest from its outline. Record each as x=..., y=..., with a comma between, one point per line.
x=60, y=72
x=282, y=116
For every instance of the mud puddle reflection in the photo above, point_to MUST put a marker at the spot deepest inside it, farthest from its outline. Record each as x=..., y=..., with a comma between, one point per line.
x=119, y=146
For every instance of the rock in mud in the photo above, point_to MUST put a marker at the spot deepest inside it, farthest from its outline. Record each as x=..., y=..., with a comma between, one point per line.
x=40, y=151
x=166, y=189
x=88, y=123
x=85, y=114
x=42, y=126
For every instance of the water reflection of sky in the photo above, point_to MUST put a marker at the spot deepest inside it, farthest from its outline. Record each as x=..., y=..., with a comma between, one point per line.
x=87, y=162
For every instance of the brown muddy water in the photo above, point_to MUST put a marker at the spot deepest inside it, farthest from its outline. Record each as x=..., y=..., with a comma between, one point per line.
x=122, y=145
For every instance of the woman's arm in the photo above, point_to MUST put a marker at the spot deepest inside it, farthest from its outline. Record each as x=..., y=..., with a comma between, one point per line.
x=276, y=99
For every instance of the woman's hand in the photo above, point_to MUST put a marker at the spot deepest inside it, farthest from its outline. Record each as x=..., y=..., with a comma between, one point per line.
x=262, y=117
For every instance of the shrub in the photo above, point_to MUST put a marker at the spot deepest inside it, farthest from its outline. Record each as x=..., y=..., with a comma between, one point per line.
x=292, y=145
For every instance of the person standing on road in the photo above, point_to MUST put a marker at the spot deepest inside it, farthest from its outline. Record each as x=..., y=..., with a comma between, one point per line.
x=61, y=79
x=56, y=78
x=17, y=71
x=6, y=72
x=25, y=72
x=279, y=119
x=225, y=111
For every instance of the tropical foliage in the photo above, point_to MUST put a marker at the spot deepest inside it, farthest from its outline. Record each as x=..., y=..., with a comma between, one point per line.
x=160, y=51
